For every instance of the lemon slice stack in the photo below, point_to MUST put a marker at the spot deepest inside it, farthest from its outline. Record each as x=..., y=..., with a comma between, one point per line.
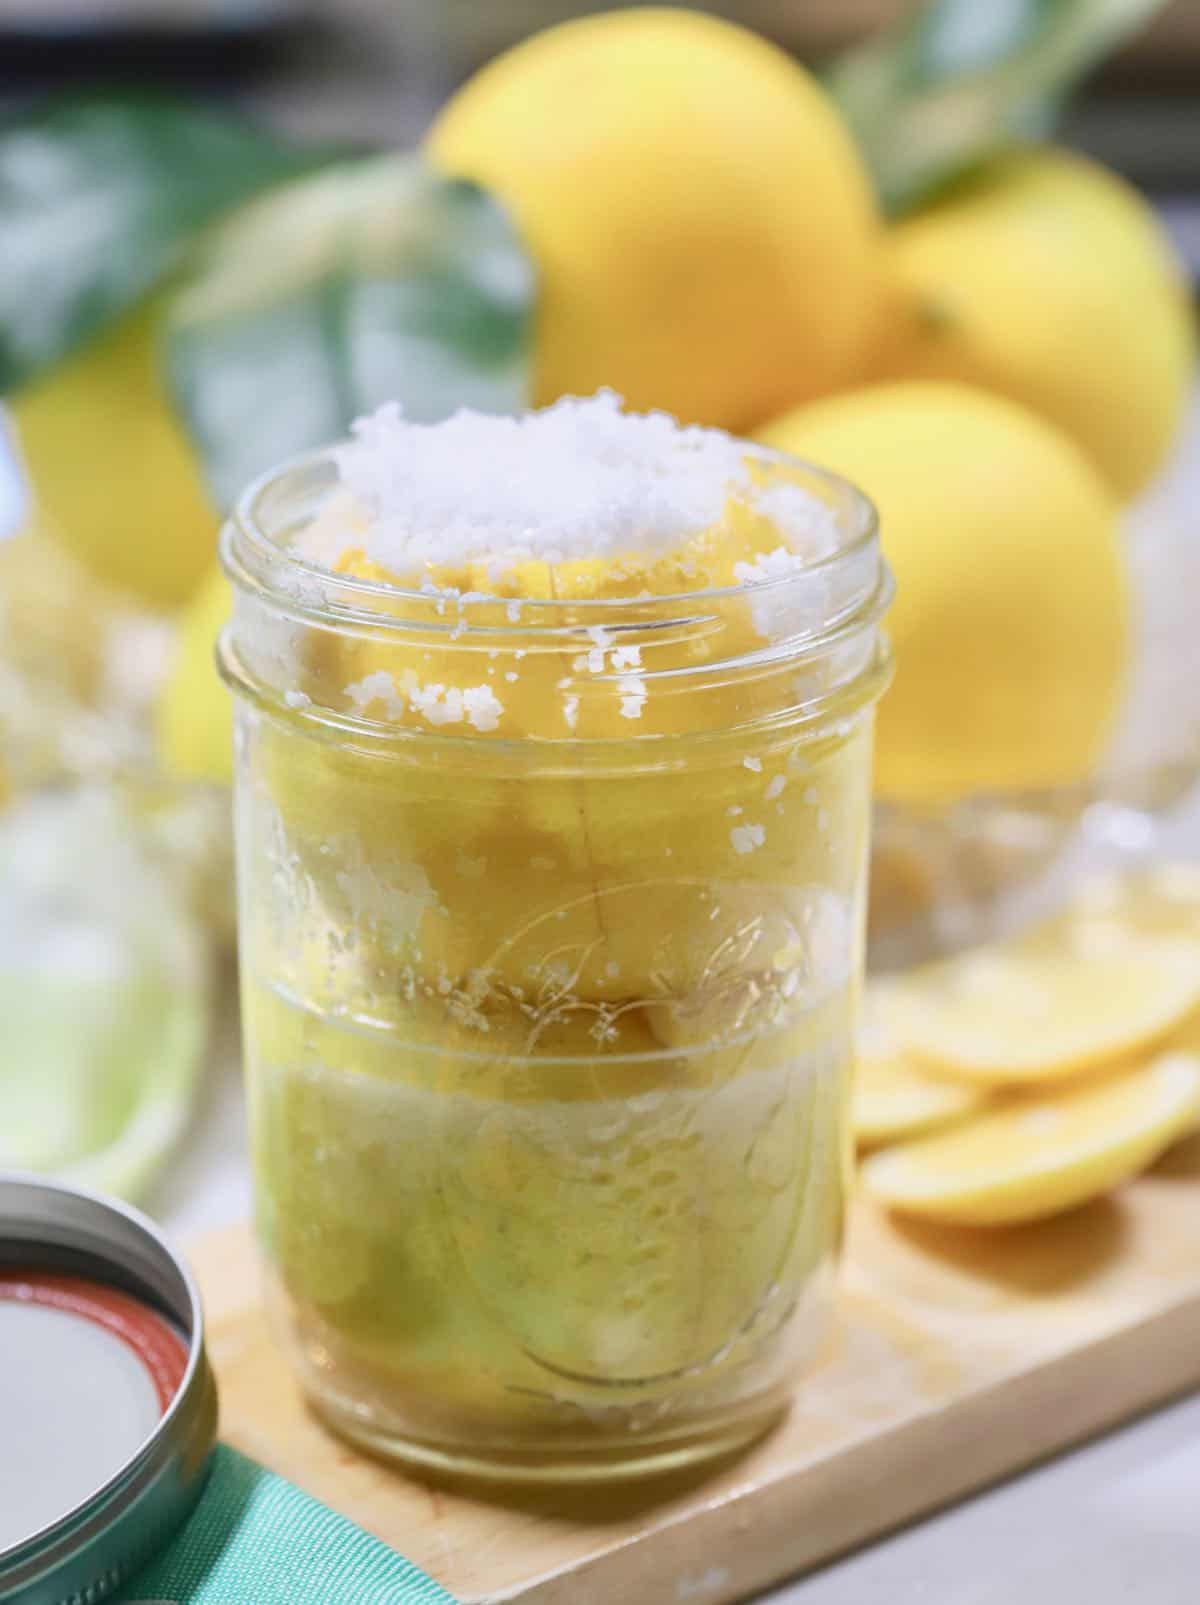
x=1019, y=1080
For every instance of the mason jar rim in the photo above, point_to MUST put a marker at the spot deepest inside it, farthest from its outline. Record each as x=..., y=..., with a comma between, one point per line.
x=244, y=520
x=823, y=607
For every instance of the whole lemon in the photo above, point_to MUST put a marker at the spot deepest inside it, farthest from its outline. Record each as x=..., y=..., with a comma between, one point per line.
x=112, y=471
x=701, y=222
x=1048, y=279
x=194, y=716
x=1010, y=619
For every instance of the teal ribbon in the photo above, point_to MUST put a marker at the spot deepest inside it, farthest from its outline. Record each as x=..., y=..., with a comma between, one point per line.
x=255, y=1539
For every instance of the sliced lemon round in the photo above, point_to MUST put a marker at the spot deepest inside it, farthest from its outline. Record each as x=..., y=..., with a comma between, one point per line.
x=1049, y=1006
x=893, y=1101
x=1039, y=1156
x=892, y=1098
x=1162, y=900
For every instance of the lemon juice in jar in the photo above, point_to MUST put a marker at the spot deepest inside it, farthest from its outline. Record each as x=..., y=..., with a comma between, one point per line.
x=553, y=802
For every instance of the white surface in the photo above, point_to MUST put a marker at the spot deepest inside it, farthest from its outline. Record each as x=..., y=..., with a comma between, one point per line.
x=60, y=1370
x=1112, y=1524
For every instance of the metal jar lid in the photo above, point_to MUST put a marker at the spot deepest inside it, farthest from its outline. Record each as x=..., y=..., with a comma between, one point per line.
x=88, y=1552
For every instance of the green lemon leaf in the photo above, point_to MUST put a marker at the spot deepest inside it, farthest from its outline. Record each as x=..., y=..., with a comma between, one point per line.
x=101, y=197
x=375, y=280
x=960, y=79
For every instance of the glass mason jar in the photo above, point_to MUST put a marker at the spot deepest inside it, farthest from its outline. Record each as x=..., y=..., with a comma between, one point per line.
x=548, y=993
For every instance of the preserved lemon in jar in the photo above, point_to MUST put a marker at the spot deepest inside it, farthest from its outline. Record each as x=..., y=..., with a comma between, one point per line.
x=553, y=798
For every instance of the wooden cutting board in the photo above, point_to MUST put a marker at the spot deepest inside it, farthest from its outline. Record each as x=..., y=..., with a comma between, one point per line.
x=961, y=1356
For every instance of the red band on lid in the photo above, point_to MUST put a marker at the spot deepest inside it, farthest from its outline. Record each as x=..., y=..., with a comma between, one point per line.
x=161, y=1350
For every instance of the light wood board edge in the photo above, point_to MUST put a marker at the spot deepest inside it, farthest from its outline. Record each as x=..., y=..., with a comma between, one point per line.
x=783, y=1527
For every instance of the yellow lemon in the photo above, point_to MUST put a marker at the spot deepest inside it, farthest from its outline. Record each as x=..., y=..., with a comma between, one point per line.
x=1048, y=279
x=701, y=221
x=112, y=470
x=1010, y=623
x=1038, y=1156
x=894, y=1098
x=1045, y=1007
x=194, y=716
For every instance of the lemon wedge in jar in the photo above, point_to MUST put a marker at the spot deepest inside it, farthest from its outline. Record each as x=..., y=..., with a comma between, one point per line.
x=1039, y=1156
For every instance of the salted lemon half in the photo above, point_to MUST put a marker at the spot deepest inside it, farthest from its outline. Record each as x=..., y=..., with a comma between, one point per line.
x=893, y=1099
x=1038, y=1156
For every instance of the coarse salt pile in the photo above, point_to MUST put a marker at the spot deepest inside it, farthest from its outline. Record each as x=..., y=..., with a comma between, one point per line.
x=579, y=479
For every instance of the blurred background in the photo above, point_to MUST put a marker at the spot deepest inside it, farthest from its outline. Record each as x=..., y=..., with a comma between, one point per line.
x=130, y=228
x=377, y=69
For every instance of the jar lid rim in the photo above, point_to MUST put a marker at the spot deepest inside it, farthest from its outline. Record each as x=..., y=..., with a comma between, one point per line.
x=49, y=1224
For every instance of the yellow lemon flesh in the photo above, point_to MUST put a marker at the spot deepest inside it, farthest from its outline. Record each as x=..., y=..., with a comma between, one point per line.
x=1050, y=280
x=1009, y=625
x=194, y=718
x=894, y=1097
x=1048, y=1006
x=1038, y=1156
x=700, y=219
x=112, y=471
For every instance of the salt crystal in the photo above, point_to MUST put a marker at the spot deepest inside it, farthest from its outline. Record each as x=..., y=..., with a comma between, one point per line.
x=436, y=704
x=633, y=695
x=571, y=711
x=746, y=838
x=775, y=787
x=772, y=565
x=442, y=705
x=778, y=611
x=753, y=763
x=483, y=707
x=377, y=687
x=297, y=699
x=806, y=522
x=582, y=478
